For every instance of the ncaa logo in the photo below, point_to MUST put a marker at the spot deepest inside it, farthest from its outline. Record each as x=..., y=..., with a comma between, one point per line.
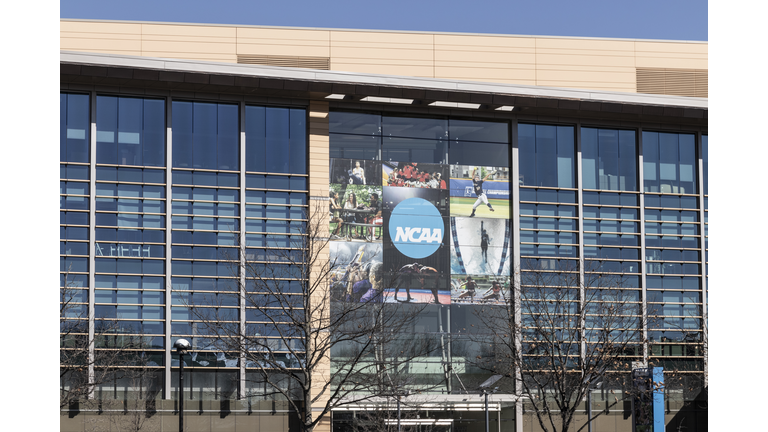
x=416, y=228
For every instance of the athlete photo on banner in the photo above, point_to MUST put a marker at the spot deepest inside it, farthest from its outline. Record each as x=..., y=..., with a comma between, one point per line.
x=355, y=171
x=480, y=289
x=479, y=191
x=415, y=243
x=355, y=212
x=356, y=275
x=480, y=246
x=412, y=174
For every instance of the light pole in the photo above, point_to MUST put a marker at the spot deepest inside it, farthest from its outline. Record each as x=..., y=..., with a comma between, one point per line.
x=589, y=404
x=484, y=387
x=181, y=345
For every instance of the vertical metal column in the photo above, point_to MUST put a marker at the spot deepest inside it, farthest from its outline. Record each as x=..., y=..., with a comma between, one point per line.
x=168, y=210
x=643, y=269
x=703, y=254
x=241, y=252
x=516, y=279
x=92, y=246
x=582, y=262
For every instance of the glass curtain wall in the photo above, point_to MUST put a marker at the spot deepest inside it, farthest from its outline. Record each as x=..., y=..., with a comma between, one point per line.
x=74, y=232
x=129, y=271
x=673, y=249
x=611, y=222
x=549, y=240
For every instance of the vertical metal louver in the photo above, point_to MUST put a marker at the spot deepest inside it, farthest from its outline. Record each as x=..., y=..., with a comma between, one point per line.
x=676, y=82
x=323, y=63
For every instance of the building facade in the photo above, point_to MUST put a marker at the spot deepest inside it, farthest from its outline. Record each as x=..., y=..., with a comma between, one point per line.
x=463, y=178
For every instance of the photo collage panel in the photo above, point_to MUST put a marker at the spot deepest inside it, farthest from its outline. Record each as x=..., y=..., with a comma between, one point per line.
x=412, y=232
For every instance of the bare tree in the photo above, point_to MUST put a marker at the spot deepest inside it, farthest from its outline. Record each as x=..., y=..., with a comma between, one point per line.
x=571, y=330
x=306, y=336
x=85, y=363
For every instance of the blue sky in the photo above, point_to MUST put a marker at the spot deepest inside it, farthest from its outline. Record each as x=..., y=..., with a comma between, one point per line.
x=648, y=19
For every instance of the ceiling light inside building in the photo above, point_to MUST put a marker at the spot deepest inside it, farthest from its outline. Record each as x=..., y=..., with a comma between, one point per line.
x=387, y=100
x=455, y=105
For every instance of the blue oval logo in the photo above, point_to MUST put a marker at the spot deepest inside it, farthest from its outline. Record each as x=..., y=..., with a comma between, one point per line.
x=416, y=228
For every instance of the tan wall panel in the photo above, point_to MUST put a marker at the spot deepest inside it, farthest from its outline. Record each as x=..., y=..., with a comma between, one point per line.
x=101, y=45
x=404, y=53
x=188, y=47
x=100, y=27
x=671, y=62
x=283, y=42
x=182, y=31
x=192, y=56
x=481, y=74
x=585, y=44
x=121, y=38
x=193, y=42
x=416, y=71
x=281, y=50
x=380, y=38
x=508, y=59
x=672, y=55
x=588, y=85
x=672, y=47
x=585, y=76
x=604, y=58
x=490, y=42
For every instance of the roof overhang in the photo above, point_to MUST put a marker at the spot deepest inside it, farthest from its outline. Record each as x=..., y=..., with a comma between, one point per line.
x=212, y=77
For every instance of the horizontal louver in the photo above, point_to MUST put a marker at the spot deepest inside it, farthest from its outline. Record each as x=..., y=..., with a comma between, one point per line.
x=323, y=63
x=676, y=82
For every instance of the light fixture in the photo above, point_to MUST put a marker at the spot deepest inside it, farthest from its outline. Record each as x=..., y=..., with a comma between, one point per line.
x=505, y=108
x=455, y=105
x=335, y=96
x=387, y=100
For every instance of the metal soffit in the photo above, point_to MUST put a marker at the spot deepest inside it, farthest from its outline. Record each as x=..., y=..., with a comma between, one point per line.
x=179, y=74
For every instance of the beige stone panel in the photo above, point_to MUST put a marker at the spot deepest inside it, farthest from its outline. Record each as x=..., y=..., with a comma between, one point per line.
x=192, y=31
x=323, y=425
x=586, y=44
x=495, y=80
x=604, y=58
x=586, y=76
x=105, y=51
x=101, y=36
x=607, y=86
x=380, y=38
x=100, y=27
x=100, y=45
x=192, y=56
x=371, y=45
x=318, y=148
x=403, y=53
x=586, y=68
x=416, y=71
x=671, y=62
x=286, y=42
x=479, y=56
x=481, y=41
x=672, y=47
x=485, y=73
x=281, y=50
x=188, y=47
x=381, y=62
